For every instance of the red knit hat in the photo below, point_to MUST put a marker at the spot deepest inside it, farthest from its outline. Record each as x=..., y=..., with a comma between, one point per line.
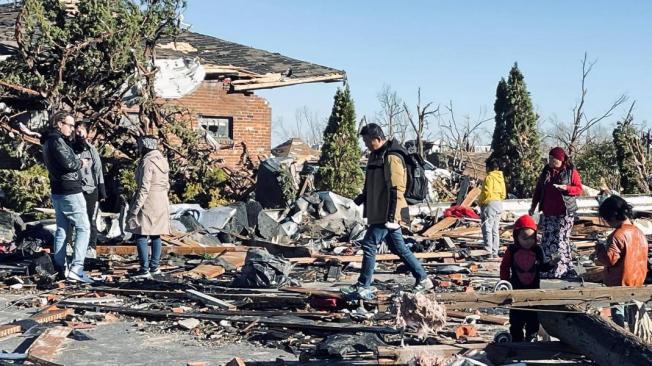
x=558, y=153
x=525, y=222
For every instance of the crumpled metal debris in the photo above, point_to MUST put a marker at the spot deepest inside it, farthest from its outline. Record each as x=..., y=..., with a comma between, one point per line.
x=418, y=312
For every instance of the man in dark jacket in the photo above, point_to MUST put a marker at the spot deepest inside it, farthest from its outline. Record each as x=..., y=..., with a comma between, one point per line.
x=385, y=208
x=67, y=198
x=92, y=181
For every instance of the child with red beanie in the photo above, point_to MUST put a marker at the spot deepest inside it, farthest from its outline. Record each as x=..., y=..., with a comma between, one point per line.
x=521, y=266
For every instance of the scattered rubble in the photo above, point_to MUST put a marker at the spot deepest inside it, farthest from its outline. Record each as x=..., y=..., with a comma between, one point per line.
x=245, y=273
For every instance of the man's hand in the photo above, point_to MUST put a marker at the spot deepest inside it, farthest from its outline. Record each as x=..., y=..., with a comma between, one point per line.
x=392, y=226
x=561, y=187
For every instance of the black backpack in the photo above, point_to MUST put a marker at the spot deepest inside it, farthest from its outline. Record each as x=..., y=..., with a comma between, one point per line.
x=416, y=190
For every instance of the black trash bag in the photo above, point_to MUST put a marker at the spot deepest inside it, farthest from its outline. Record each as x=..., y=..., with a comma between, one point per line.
x=42, y=265
x=263, y=270
x=11, y=226
x=339, y=345
x=268, y=188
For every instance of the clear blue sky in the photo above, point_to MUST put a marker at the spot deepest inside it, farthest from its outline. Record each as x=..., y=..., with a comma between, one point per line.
x=454, y=50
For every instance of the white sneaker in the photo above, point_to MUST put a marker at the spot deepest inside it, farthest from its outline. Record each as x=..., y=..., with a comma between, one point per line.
x=91, y=253
x=76, y=277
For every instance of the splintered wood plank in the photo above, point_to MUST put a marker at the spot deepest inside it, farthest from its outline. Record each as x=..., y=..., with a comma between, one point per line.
x=382, y=257
x=236, y=259
x=541, y=297
x=471, y=197
x=47, y=345
x=443, y=224
x=131, y=250
x=206, y=271
x=46, y=315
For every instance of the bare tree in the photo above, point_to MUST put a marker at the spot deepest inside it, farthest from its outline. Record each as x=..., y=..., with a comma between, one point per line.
x=420, y=124
x=391, y=116
x=460, y=138
x=308, y=126
x=571, y=136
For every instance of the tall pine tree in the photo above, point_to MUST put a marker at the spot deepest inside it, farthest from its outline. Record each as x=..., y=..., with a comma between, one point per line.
x=632, y=157
x=516, y=141
x=501, y=109
x=339, y=164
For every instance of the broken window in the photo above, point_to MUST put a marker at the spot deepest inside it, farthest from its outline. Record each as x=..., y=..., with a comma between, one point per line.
x=220, y=128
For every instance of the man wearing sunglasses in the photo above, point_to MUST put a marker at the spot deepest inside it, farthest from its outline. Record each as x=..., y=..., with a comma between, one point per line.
x=66, y=186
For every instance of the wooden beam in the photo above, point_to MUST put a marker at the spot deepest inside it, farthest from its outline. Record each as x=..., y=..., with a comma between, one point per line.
x=443, y=224
x=382, y=257
x=45, y=316
x=601, y=340
x=539, y=297
x=483, y=318
x=131, y=250
x=292, y=81
x=44, y=350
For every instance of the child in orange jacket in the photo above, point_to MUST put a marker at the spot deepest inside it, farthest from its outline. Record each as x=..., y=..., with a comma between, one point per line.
x=522, y=264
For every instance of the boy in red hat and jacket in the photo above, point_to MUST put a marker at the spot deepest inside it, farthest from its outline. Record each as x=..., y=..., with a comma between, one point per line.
x=521, y=266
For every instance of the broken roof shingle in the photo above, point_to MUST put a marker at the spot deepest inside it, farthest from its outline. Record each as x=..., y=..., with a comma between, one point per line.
x=264, y=68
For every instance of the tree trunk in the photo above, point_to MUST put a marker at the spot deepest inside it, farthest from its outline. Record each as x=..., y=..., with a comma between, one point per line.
x=601, y=340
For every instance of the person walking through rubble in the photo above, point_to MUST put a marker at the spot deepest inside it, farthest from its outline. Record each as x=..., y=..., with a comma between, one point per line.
x=521, y=265
x=492, y=194
x=63, y=167
x=385, y=208
x=148, y=217
x=92, y=181
x=557, y=188
x=625, y=252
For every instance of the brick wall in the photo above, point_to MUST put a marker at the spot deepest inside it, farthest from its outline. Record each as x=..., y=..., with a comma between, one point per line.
x=252, y=118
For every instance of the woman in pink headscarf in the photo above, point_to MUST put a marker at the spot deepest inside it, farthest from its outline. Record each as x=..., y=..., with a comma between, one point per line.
x=557, y=188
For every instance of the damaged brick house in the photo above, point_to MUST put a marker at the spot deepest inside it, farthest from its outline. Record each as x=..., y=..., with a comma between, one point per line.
x=216, y=79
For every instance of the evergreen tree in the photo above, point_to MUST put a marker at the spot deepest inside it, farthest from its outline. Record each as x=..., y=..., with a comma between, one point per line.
x=339, y=164
x=516, y=141
x=501, y=110
x=633, y=159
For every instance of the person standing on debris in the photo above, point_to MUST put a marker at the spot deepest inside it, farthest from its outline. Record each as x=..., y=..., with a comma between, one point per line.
x=557, y=188
x=385, y=208
x=492, y=194
x=625, y=252
x=67, y=199
x=148, y=217
x=521, y=265
x=92, y=181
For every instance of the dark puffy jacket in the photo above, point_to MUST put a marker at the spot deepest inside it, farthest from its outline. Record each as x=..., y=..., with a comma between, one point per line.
x=62, y=163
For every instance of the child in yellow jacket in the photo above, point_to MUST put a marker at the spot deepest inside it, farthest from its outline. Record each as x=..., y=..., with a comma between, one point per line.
x=491, y=204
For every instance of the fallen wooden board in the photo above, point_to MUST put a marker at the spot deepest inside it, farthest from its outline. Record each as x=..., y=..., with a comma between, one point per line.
x=539, y=297
x=483, y=318
x=443, y=224
x=209, y=300
x=402, y=355
x=42, y=317
x=601, y=340
x=46, y=346
x=131, y=250
x=471, y=197
x=382, y=257
x=236, y=259
x=205, y=271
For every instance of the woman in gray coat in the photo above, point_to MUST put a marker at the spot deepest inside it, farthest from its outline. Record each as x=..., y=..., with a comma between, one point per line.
x=148, y=216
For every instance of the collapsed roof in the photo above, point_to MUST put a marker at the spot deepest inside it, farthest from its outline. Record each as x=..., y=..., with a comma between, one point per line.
x=243, y=67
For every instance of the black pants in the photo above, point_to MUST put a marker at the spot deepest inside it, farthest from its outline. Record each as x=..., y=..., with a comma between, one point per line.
x=91, y=201
x=519, y=319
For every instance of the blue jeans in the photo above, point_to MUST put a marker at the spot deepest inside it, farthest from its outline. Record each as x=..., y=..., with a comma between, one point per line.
x=143, y=254
x=70, y=209
x=376, y=233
